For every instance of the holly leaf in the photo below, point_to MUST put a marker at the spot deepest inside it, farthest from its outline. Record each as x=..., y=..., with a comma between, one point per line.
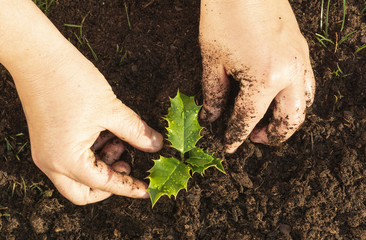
x=184, y=131
x=167, y=177
x=200, y=160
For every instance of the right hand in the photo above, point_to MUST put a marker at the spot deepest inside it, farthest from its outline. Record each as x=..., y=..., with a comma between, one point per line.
x=262, y=47
x=66, y=113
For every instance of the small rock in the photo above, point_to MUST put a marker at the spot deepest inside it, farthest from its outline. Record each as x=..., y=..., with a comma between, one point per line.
x=285, y=229
x=258, y=153
x=178, y=9
x=3, y=178
x=243, y=179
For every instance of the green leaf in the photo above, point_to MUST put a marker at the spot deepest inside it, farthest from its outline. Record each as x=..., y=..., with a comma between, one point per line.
x=183, y=127
x=200, y=160
x=167, y=177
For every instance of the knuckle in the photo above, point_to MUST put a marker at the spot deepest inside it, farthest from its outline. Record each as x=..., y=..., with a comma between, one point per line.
x=130, y=123
x=137, y=128
x=272, y=80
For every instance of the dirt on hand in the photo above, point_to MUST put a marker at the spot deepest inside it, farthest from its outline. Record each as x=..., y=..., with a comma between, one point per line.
x=310, y=187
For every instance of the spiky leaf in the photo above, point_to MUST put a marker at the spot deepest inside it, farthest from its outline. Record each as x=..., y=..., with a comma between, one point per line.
x=167, y=177
x=183, y=127
x=200, y=160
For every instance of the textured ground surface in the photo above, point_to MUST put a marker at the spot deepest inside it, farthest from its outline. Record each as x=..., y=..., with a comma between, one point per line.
x=311, y=187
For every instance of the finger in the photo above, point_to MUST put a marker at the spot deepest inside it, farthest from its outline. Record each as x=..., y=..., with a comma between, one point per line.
x=309, y=86
x=288, y=115
x=103, y=138
x=122, y=167
x=215, y=86
x=249, y=109
x=106, y=179
x=78, y=193
x=112, y=151
x=128, y=126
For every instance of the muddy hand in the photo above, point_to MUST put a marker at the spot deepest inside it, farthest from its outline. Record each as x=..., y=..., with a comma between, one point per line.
x=68, y=104
x=262, y=47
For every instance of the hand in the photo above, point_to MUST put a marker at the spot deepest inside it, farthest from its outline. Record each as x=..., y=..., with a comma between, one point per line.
x=259, y=43
x=65, y=119
x=68, y=104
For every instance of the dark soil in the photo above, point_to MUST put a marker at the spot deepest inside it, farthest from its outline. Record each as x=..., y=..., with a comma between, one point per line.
x=311, y=187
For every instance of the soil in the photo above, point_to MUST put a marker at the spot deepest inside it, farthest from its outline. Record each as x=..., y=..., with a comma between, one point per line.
x=310, y=187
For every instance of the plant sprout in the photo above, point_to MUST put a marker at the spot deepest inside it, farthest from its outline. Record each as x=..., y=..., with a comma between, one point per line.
x=169, y=175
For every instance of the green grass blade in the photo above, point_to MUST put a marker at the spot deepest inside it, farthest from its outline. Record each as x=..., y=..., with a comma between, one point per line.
x=128, y=18
x=9, y=147
x=82, y=24
x=344, y=14
x=72, y=25
x=321, y=15
x=360, y=48
x=48, y=5
x=92, y=51
x=323, y=39
x=339, y=69
x=24, y=188
x=123, y=57
x=22, y=148
x=327, y=20
x=79, y=39
x=346, y=37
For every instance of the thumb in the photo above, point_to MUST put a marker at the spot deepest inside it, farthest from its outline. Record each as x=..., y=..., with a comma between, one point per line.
x=128, y=126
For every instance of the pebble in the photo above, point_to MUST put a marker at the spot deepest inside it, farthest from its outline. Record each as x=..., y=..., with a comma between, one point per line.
x=285, y=229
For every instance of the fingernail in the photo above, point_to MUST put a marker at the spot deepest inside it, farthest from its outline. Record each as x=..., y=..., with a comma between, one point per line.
x=230, y=150
x=146, y=195
x=209, y=116
x=259, y=136
x=256, y=139
x=122, y=167
x=203, y=114
x=232, y=147
x=157, y=140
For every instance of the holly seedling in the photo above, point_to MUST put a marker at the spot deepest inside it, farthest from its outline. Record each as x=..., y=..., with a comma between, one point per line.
x=170, y=175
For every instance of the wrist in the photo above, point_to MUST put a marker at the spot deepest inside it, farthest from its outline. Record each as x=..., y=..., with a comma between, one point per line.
x=35, y=53
x=29, y=43
x=254, y=16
